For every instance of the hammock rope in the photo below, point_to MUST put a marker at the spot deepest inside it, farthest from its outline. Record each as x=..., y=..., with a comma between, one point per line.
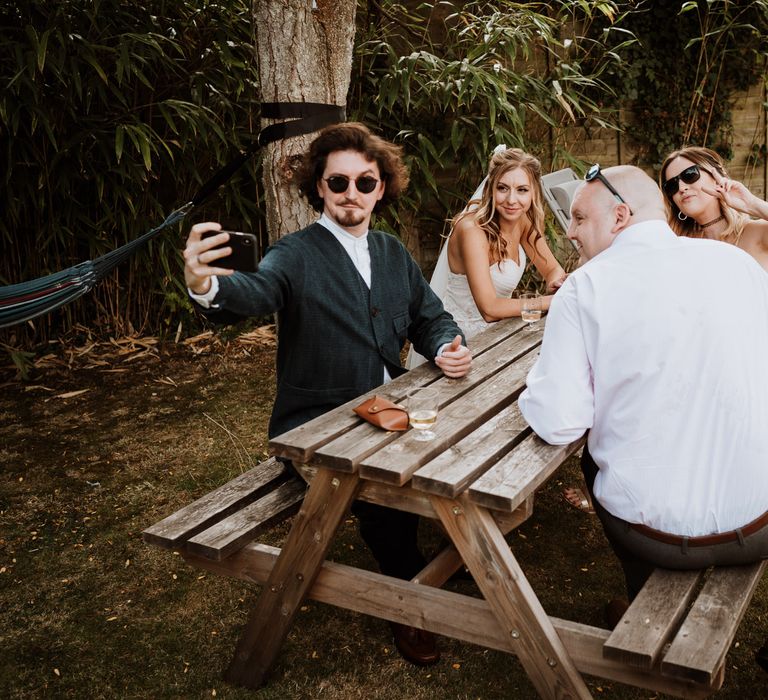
x=27, y=300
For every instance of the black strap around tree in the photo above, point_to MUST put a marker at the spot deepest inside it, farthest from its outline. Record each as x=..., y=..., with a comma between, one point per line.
x=305, y=117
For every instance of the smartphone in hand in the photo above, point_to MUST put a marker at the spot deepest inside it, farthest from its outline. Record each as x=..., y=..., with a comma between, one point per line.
x=243, y=255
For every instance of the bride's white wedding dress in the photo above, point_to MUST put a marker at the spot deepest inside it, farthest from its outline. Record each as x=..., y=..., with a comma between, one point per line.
x=458, y=299
x=445, y=283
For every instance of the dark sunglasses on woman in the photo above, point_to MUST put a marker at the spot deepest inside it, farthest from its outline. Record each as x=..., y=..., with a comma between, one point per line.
x=690, y=175
x=365, y=184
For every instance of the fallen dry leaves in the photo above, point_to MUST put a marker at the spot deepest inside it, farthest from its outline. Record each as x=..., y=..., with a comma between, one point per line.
x=112, y=354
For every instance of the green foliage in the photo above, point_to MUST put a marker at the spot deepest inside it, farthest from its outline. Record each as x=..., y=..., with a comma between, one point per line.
x=450, y=81
x=679, y=79
x=111, y=115
x=21, y=359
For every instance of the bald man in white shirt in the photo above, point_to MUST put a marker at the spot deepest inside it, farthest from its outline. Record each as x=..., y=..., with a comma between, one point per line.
x=658, y=346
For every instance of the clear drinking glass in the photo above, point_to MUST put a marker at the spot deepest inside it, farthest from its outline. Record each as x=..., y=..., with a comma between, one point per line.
x=422, y=406
x=531, y=309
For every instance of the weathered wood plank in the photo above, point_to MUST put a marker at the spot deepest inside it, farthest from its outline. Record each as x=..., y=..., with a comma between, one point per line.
x=239, y=528
x=325, y=504
x=302, y=442
x=347, y=451
x=444, y=612
x=652, y=618
x=450, y=473
x=513, y=478
x=514, y=603
x=448, y=561
x=171, y=532
x=397, y=462
x=698, y=651
x=411, y=501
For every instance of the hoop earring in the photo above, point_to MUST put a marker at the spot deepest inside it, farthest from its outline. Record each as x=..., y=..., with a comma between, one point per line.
x=681, y=216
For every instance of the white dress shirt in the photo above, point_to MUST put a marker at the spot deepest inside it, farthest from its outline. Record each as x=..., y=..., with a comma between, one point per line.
x=659, y=347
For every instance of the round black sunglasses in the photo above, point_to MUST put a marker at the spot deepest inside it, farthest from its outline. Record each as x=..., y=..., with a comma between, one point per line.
x=365, y=184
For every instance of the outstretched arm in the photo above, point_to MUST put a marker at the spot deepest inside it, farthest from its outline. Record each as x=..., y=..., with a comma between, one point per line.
x=545, y=263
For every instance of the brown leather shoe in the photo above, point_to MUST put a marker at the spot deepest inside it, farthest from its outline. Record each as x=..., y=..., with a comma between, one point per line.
x=614, y=611
x=415, y=645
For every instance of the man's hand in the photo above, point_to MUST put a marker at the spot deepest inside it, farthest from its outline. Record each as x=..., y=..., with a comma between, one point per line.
x=455, y=360
x=198, y=256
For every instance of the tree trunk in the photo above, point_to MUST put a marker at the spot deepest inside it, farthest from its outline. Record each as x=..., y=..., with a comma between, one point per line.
x=304, y=50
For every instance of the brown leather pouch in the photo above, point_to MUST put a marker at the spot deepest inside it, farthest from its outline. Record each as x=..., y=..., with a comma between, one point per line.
x=383, y=413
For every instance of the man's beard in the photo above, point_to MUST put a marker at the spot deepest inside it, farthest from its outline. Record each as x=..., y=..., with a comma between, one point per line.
x=350, y=217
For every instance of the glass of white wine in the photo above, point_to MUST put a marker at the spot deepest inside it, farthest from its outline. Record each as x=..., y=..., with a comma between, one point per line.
x=422, y=404
x=531, y=308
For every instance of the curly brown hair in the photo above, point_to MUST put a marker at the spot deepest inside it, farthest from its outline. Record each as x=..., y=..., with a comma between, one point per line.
x=708, y=160
x=485, y=213
x=352, y=136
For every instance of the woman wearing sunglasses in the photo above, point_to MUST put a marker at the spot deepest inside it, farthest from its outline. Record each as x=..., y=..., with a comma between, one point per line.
x=703, y=202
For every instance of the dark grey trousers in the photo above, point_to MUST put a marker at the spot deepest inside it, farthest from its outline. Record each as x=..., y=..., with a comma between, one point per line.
x=640, y=555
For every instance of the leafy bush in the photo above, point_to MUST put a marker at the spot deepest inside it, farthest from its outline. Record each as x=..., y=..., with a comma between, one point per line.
x=111, y=115
x=679, y=79
x=450, y=81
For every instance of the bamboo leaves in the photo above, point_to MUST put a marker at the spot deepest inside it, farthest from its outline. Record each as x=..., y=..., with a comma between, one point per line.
x=452, y=80
x=112, y=113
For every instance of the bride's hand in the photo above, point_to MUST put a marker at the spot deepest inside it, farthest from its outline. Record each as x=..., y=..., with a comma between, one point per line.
x=556, y=283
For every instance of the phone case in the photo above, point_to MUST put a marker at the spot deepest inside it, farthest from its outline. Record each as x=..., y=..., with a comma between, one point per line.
x=244, y=249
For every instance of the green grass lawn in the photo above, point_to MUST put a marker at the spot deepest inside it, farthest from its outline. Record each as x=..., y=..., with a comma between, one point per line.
x=89, y=611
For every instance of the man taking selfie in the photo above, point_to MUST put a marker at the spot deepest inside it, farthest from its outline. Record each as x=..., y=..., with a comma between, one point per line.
x=347, y=298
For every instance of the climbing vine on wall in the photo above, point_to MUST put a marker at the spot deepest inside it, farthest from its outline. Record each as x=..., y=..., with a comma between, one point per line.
x=679, y=80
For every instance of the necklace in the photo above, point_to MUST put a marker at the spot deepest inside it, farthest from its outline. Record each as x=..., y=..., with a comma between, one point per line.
x=714, y=221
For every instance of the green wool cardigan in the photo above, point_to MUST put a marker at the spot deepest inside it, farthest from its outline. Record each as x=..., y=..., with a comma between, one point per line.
x=335, y=336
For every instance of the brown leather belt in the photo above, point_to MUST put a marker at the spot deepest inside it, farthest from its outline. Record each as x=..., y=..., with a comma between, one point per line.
x=704, y=540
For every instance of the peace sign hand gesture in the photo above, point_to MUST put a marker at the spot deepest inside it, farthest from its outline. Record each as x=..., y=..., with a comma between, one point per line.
x=736, y=195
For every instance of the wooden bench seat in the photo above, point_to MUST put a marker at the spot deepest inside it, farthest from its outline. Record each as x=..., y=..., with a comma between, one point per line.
x=682, y=623
x=225, y=519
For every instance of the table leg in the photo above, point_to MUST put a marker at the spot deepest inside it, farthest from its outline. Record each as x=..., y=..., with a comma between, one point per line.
x=327, y=501
x=514, y=603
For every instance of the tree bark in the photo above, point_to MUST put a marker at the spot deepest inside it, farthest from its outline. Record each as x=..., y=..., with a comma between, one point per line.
x=304, y=50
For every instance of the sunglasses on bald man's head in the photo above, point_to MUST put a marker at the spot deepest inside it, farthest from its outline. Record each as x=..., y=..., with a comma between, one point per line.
x=594, y=173
x=365, y=184
x=688, y=176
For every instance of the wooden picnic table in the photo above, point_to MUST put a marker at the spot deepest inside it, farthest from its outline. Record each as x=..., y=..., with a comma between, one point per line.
x=477, y=478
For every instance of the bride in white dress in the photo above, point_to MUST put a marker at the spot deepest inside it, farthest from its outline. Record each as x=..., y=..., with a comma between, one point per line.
x=485, y=256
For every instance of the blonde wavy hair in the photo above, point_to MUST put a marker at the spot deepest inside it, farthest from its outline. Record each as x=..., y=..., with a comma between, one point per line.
x=485, y=214
x=708, y=160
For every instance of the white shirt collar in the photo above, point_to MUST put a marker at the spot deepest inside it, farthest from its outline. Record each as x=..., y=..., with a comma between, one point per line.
x=647, y=232
x=641, y=235
x=356, y=247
